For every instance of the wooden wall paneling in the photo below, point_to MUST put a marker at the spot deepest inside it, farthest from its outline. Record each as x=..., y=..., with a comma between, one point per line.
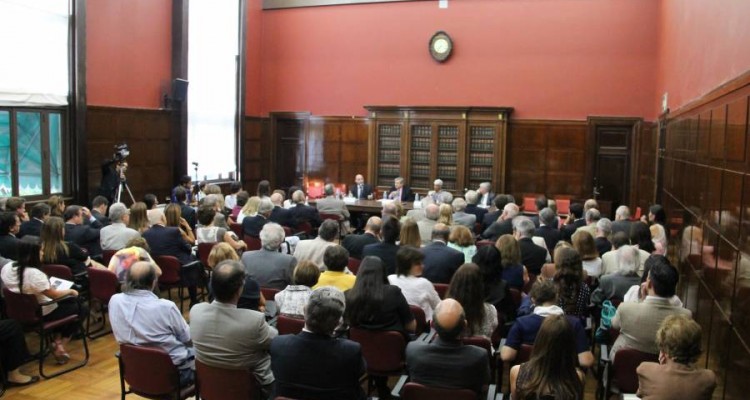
x=645, y=166
x=256, y=157
x=736, y=134
x=148, y=133
x=354, y=149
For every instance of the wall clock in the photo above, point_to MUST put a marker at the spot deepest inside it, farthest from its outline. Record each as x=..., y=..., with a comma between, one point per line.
x=441, y=46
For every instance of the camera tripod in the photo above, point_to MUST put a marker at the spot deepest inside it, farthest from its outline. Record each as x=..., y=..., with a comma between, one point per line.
x=123, y=185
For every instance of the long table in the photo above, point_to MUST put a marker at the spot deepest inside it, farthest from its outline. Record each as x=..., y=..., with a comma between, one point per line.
x=369, y=206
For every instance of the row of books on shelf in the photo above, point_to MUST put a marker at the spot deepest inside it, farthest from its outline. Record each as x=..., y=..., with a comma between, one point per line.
x=420, y=157
x=390, y=130
x=448, y=144
x=447, y=132
x=447, y=171
x=420, y=143
x=484, y=173
x=482, y=145
x=481, y=159
x=421, y=130
x=478, y=132
x=389, y=142
x=389, y=155
x=389, y=170
x=444, y=158
x=420, y=170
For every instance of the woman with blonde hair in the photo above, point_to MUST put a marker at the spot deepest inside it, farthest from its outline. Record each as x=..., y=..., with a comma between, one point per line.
x=462, y=240
x=659, y=237
x=513, y=271
x=55, y=250
x=251, y=297
x=446, y=214
x=250, y=209
x=410, y=234
x=173, y=216
x=584, y=244
x=56, y=206
x=138, y=217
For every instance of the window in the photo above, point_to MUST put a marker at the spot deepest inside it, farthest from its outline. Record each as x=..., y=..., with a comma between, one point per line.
x=31, y=144
x=34, y=92
x=213, y=42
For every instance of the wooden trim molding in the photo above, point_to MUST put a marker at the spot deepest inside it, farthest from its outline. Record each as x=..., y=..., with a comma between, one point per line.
x=180, y=9
x=281, y=4
x=724, y=89
x=79, y=183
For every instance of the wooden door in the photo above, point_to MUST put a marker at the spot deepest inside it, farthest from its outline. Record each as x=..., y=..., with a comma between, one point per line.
x=289, y=165
x=612, y=164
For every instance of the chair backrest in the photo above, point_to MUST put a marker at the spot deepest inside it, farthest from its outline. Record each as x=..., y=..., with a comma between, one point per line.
x=416, y=391
x=204, y=249
x=289, y=325
x=236, y=228
x=529, y=204
x=221, y=383
x=253, y=243
x=484, y=243
x=334, y=217
x=515, y=295
x=58, y=271
x=305, y=226
x=420, y=317
x=148, y=370
x=624, y=366
x=22, y=307
x=354, y=265
x=524, y=353
x=441, y=289
x=479, y=341
x=269, y=293
x=170, y=269
x=314, y=191
x=383, y=350
x=107, y=256
x=563, y=206
x=103, y=284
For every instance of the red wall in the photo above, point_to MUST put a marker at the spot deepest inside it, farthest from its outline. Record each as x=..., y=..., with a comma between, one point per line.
x=252, y=61
x=702, y=45
x=129, y=52
x=550, y=59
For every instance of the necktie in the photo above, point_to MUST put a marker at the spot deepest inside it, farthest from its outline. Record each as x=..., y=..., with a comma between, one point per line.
x=359, y=191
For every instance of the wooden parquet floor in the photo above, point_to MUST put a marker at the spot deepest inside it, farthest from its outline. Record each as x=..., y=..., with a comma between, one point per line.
x=100, y=379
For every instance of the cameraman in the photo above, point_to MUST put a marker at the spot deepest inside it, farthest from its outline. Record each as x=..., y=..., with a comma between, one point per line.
x=113, y=172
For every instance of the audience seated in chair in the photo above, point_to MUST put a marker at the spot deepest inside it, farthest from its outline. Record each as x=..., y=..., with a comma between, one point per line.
x=603, y=233
x=140, y=318
x=574, y=294
x=467, y=287
x=336, y=258
x=10, y=224
x=313, y=364
x=14, y=353
x=615, y=286
x=80, y=233
x=551, y=371
x=225, y=336
x=496, y=290
x=207, y=232
x=418, y=291
x=526, y=329
x=427, y=224
x=356, y=243
x=440, y=261
x=268, y=266
x=279, y=214
x=116, y=235
x=446, y=362
x=676, y=377
x=33, y=227
x=503, y=225
x=292, y=300
x=387, y=249
x=251, y=298
x=303, y=213
x=314, y=249
x=135, y=250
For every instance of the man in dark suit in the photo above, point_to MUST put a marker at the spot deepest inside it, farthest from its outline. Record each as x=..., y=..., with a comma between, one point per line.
x=301, y=212
x=541, y=203
x=446, y=362
x=532, y=256
x=252, y=226
x=279, y=214
x=167, y=241
x=622, y=220
x=575, y=221
x=400, y=191
x=314, y=364
x=504, y=224
x=472, y=207
x=354, y=244
x=86, y=236
x=9, y=226
x=180, y=196
x=360, y=189
x=99, y=210
x=500, y=201
x=440, y=261
x=33, y=227
x=603, y=231
x=486, y=197
x=387, y=249
x=547, y=228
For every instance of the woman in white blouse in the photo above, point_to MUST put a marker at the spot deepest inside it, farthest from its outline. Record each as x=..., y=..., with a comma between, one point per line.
x=26, y=274
x=418, y=291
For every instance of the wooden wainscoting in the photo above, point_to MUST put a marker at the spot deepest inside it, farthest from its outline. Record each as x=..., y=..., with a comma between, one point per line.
x=256, y=152
x=149, y=134
x=337, y=148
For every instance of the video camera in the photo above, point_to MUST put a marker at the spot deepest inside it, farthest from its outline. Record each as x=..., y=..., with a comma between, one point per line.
x=122, y=151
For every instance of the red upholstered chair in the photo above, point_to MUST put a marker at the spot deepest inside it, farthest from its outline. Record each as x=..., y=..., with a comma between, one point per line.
x=620, y=376
x=170, y=276
x=305, y=227
x=484, y=343
x=529, y=205
x=236, y=228
x=58, y=271
x=415, y=391
x=269, y=293
x=107, y=256
x=289, y=325
x=563, y=206
x=25, y=309
x=441, y=289
x=253, y=243
x=354, y=265
x=204, y=249
x=315, y=191
x=637, y=214
x=483, y=243
x=150, y=373
x=419, y=316
x=383, y=351
x=213, y=383
x=103, y=284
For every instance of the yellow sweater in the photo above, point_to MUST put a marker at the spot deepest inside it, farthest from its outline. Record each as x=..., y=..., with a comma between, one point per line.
x=339, y=280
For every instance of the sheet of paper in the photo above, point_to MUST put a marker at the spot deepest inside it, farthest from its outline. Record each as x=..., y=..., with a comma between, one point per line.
x=60, y=284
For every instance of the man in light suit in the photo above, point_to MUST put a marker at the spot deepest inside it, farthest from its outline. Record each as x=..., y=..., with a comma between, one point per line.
x=267, y=266
x=314, y=249
x=610, y=265
x=314, y=364
x=638, y=322
x=116, y=235
x=225, y=336
x=622, y=220
x=460, y=217
x=486, y=196
x=360, y=190
x=418, y=214
x=446, y=362
x=431, y=214
x=332, y=205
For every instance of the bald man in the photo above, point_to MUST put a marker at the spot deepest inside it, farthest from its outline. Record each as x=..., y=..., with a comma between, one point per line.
x=360, y=189
x=355, y=243
x=279, y=214
x=446, y=362
x=139, y=317
x=440, y=261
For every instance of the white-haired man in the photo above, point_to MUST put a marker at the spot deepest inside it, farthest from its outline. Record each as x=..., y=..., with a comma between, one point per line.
x=485, y=194
x=267, y=266
x=460, y=217
x=503, y=225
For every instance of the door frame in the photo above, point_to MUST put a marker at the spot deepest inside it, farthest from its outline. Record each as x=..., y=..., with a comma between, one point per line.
x=594, y=122
x=302, y=116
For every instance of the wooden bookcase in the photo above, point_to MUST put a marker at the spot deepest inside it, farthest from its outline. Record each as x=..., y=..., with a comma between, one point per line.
x=463, y=146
